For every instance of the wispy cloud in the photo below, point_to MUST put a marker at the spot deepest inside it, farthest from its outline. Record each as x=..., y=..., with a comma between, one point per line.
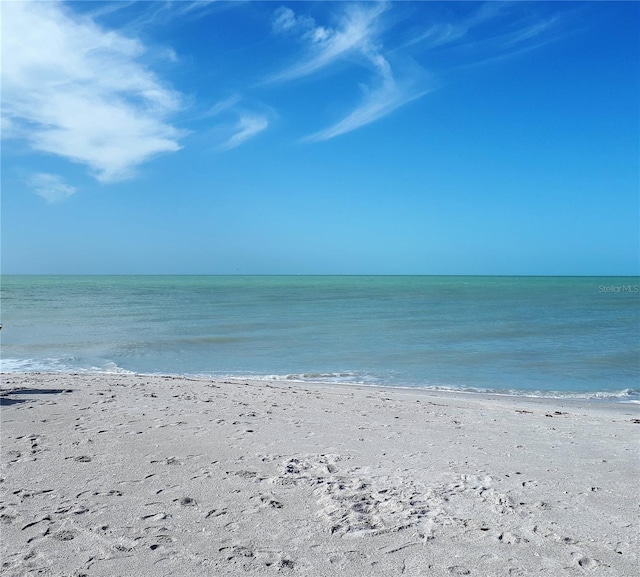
x=223, y=106
x=325, y=45
x=355, y=37
x=151, y=13
x=376, y=104
x=75, y=90
x=194, y=6
x=51, y=187
x=493, y=31
x=474, y=35
x=239, y=123
x=247, y=127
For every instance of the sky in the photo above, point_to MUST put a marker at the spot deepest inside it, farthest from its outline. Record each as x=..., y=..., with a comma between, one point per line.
x=157, y=137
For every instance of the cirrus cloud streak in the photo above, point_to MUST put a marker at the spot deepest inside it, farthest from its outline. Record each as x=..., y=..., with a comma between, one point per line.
x=51, y=187
x=356, y=38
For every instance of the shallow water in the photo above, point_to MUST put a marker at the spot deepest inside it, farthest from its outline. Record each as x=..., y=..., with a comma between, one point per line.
x=571, y=336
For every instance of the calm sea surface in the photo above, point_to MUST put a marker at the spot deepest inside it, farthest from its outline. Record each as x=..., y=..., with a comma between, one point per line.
x=569, y=336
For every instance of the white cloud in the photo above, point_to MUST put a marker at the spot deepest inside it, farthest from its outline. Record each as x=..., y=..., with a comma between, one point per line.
x=188, y=6
x=222, y=106
x=248, y=126
x=440, y=34
x=7, y=129
x=240, y=121
x=51, y=187
x=356, y=30
x=478, y=37
x=285, y=19
x=376, y=104
x=356, y=37
x=78, y=91
x=530, y=31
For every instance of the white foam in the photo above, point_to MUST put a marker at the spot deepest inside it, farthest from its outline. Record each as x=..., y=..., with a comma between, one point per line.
x=360, y=379
x=71, y=364
x=58, y=365
x=35, y=365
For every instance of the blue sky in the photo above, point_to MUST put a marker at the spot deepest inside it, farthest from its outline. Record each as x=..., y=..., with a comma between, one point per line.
x=320, y=137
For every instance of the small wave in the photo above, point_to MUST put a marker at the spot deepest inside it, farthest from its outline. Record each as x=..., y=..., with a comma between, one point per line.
x=36, y=365
x=625, y=395
x=72, y=364
x=362, y=379
x=340, y=377
x=343, y=377
x=59, y=365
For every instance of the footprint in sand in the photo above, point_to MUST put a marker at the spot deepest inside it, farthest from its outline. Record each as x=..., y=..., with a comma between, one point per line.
x=270, y=501
x=458, y=570
x=252, y=559
x=82, y=459
x=213, y=513
x=14, y=456
x=509, y=538
x=64, y=535
x=585, y=562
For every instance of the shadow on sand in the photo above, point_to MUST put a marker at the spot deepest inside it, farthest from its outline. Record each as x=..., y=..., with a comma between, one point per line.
x=6, y=396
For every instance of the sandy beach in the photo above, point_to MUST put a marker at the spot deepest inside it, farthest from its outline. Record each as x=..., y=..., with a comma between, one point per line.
x=106, y=475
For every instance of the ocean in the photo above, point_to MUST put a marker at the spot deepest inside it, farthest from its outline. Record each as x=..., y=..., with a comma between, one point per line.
x=543, y=336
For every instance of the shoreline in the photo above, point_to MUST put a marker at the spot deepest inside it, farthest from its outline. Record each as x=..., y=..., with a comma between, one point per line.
x=618, y=396
x=109, y=474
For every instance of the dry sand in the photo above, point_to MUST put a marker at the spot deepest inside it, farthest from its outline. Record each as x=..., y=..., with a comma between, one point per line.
x=123, y=475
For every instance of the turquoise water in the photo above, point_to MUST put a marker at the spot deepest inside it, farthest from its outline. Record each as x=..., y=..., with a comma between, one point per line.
x=573, y=336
